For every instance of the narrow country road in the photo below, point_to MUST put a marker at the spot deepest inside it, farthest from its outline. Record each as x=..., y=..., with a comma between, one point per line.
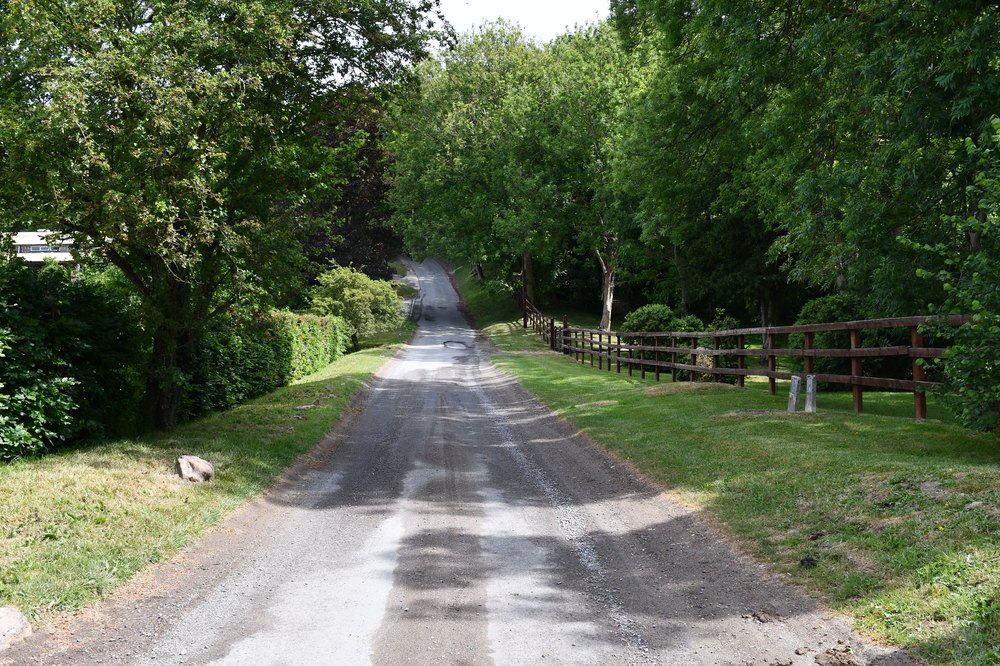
x=454, y=520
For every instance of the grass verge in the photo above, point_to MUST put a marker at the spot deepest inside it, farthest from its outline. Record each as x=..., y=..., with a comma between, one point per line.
x=902, y=519
x=78, y=523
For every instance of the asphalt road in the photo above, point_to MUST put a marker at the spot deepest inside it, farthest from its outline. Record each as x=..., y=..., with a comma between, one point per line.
x=453, y=519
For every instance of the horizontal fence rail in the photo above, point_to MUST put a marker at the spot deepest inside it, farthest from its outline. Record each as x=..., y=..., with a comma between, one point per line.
x=676, y=352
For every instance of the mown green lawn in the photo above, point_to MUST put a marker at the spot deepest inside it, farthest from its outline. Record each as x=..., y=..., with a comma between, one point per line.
x=902, y=518
x=78, y=523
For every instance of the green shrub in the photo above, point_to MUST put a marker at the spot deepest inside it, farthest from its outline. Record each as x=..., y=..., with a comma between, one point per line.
x=72, y=358
x=824, y=310
x=316, y=341
x=656, y=317
x=245, y=355
x=649, y=318
x=369, y=306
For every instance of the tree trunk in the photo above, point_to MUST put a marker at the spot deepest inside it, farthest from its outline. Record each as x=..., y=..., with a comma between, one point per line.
x=528, y=277
x=480, y=273
x=607, y=296
x=609, y=268
x=765, y=300
x=975, y=237
x=170, y=362
x=683, y=289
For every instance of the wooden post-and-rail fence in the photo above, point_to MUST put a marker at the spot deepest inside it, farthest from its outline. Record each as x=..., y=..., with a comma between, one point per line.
x=656, y=352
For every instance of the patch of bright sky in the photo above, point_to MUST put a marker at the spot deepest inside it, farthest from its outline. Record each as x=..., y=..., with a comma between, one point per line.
x=541, y=19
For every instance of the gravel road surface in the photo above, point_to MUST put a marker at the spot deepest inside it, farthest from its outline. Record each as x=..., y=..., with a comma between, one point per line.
x=452, y=519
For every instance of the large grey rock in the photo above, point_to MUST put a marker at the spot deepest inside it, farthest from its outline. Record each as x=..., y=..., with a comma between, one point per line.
x=194, y=469
x=14, y=627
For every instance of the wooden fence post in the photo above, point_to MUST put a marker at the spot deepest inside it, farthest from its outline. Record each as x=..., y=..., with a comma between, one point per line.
x=772, y=363
x=618, y=353
x=715, y=361
x=552, y=335
x=656, y=356
x=673, y=358
x=694, y=359
x=919, y=396
x=591, y=349
x=741, y=361
x=642, y=357
x=856, y=390
x=810, y=361
x=630, y=342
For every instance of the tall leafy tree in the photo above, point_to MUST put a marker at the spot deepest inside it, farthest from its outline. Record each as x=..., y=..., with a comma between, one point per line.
x=590, y=87
x=833, y=130
x=179, y=140
x=507, y=156
x=459, y=188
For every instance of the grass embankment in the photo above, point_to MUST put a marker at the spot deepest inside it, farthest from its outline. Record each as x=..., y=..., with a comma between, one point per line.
x=78, y=523
x=901, y=518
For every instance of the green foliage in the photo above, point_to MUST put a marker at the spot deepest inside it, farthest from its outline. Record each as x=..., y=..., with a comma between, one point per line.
x=315, y=341
x=971, y=280
x=841, y=308
x=660, y=318
x=184, y=141
x=369, y=306
x=505, y=158
x=72, y=357
x=246, y=355
x=811, y=137
x=648, y=318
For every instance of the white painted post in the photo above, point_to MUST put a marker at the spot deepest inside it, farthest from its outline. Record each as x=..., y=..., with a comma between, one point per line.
x=793, y=394
x=810, y=394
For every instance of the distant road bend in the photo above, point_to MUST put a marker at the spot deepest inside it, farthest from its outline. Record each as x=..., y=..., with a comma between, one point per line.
x=455, y=520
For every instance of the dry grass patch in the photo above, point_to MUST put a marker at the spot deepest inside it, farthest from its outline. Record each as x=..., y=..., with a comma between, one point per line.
x=674, y=388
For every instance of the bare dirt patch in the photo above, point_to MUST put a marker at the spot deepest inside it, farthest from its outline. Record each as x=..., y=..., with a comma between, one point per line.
x=599, y=403
x=751, y=413
x=688, y=387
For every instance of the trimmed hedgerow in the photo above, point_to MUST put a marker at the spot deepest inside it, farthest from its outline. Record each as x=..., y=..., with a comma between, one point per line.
x=243, y=356
x=316, y=341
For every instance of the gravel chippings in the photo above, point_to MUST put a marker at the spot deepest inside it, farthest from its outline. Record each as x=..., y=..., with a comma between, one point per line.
x=452, y=518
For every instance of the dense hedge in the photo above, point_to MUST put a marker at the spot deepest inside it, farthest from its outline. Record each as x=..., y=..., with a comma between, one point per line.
x=72, y=356
x=243, y=356
x=316, y=341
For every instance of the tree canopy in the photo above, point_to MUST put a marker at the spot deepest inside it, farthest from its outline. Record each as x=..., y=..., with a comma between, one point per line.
x=180, y=141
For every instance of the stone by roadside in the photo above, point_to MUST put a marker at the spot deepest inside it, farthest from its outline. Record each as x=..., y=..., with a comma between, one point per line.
x=14, y=627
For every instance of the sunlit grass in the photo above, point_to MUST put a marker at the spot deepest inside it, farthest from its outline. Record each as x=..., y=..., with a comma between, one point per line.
x=902, y=518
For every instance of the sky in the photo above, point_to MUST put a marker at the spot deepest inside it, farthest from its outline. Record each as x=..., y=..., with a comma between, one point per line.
x=542, y=19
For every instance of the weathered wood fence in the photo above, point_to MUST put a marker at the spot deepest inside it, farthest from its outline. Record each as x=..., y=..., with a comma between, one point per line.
x=657, y=352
